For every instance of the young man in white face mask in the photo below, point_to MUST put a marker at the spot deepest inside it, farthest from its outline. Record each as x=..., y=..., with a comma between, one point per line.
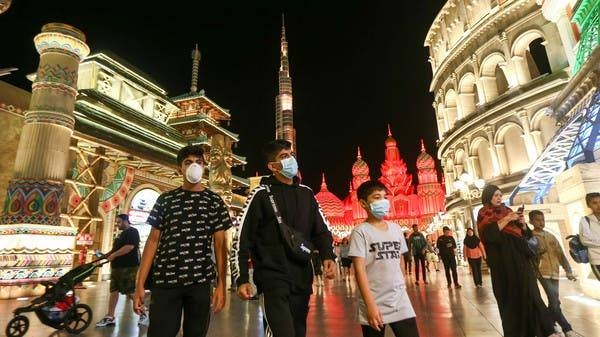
x=376, y=247
x=185, y=223
x=285, y=284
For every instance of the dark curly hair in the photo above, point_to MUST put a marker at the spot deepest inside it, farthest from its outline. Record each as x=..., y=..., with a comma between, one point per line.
x=488, y=193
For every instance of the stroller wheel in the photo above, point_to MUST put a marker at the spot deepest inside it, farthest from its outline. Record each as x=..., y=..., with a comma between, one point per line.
x=78, y=318
x=17, y=326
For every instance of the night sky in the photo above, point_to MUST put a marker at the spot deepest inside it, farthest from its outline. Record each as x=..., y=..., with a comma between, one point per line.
x=355, y=65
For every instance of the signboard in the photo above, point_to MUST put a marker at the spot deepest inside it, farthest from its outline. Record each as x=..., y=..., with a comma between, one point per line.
x=141, y=205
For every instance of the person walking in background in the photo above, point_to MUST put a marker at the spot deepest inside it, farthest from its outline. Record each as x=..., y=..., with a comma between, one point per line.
x=432, y=255
x=447, y=246
x=125, y=259
x=376, y=247
x=511, y=263
x=345, y=259
x=186, y=223
x=317, y=267
x=418, y=248
x=473, y=252
x=589, y=231
x=551, y=256
x=407, y=256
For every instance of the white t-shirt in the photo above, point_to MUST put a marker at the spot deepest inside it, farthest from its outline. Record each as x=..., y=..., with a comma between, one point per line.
x=382, y=250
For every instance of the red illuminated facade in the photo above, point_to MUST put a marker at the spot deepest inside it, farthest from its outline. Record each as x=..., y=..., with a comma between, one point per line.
x=407, y=206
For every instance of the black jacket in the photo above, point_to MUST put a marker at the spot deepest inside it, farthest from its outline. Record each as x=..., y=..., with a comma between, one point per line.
x=258, y=237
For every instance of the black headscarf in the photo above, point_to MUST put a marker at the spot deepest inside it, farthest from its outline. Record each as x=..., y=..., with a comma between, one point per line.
x=471, y=241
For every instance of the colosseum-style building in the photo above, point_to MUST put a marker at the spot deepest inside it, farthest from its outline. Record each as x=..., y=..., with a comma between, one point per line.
x=497, y=66
x=517, y=105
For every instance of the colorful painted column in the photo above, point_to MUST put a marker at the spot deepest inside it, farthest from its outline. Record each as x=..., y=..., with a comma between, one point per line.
x=34, y=246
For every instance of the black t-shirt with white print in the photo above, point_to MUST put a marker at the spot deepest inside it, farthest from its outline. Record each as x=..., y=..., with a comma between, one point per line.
x=186, y=220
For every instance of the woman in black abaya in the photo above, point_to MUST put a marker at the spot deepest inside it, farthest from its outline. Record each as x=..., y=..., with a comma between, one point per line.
x=514, y=281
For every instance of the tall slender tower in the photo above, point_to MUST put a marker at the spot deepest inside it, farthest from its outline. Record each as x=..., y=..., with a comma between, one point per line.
x=284, y=115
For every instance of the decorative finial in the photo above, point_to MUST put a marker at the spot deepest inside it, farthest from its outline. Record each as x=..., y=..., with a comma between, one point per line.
x=389, y=130
x=358, y=155
x=195, y=64
x=422, y=145
x=323, y=183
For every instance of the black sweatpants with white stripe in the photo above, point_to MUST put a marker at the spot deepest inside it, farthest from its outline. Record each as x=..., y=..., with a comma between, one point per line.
x=284, y=314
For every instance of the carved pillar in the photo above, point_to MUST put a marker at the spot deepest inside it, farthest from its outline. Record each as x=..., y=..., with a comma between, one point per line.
x=469, y=165
x=537, y=140
x=36, y=189
x=219, y=178
x=509, y=66
x=480, y=90
x=567, y=37
x=502, y=160
x=527, y=138
x=489, y=131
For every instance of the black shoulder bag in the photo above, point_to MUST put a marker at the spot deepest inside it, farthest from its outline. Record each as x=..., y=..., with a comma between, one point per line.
x=297, y=246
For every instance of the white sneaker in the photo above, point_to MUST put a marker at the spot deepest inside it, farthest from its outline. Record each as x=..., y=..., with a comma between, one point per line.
x=106, y=321
x=144, y=320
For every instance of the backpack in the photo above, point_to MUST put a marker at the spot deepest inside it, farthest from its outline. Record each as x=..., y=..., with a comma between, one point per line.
x=577, y=250
x=419, y=243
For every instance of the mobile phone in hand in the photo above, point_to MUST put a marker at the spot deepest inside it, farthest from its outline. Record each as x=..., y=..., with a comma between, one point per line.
x=521, y=209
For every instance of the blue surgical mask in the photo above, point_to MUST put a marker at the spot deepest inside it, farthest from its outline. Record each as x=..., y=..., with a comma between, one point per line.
x=289, y=167
x=379, y=208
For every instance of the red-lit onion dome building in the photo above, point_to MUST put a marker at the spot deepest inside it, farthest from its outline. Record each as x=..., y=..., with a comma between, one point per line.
x=333, y=208
x=407, y=207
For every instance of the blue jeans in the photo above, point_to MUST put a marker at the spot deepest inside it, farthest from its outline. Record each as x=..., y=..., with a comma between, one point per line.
x=551, y=288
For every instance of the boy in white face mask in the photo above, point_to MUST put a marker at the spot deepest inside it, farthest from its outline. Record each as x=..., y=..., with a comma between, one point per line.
x=185, y=222
x=376, y=247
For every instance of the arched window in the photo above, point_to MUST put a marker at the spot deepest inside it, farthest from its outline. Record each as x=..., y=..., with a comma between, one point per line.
x=481, y=148
x=537, y=58
x=492, y=76
x=467, y=94
x=451, y=111
x=511, y=136
x=501, y=82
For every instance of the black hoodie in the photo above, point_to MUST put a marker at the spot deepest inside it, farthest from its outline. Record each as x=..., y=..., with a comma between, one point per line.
x=258, y=237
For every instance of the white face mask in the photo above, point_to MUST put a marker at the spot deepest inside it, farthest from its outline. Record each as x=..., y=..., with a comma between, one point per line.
x=193, y=174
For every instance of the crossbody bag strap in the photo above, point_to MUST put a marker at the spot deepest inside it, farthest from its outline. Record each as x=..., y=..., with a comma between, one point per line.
x=274, y=206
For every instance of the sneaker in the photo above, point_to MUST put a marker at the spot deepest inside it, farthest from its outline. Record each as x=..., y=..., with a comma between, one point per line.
x=144, y=320
x=106, y=321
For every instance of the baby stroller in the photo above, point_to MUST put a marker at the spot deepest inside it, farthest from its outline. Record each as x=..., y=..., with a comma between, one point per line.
x=58, y=307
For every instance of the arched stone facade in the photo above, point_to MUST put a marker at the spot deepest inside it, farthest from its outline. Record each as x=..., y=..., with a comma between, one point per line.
x=496, y=70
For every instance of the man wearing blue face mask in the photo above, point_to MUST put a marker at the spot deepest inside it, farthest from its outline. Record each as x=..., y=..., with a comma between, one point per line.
x=283, y=282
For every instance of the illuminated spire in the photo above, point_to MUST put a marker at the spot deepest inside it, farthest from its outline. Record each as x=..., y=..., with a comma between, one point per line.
x=389, y=130
x=195, y=64
x=284, y=114
x=282, y=27
x=422, y=145
x=358, y=155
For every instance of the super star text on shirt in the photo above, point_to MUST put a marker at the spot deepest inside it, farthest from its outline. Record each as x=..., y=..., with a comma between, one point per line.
x=386, y=249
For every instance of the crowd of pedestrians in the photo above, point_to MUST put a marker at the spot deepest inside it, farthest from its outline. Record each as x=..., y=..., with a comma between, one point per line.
x=283, y=245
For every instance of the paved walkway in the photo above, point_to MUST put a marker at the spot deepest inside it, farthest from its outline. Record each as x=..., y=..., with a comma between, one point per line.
x=441, y=312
